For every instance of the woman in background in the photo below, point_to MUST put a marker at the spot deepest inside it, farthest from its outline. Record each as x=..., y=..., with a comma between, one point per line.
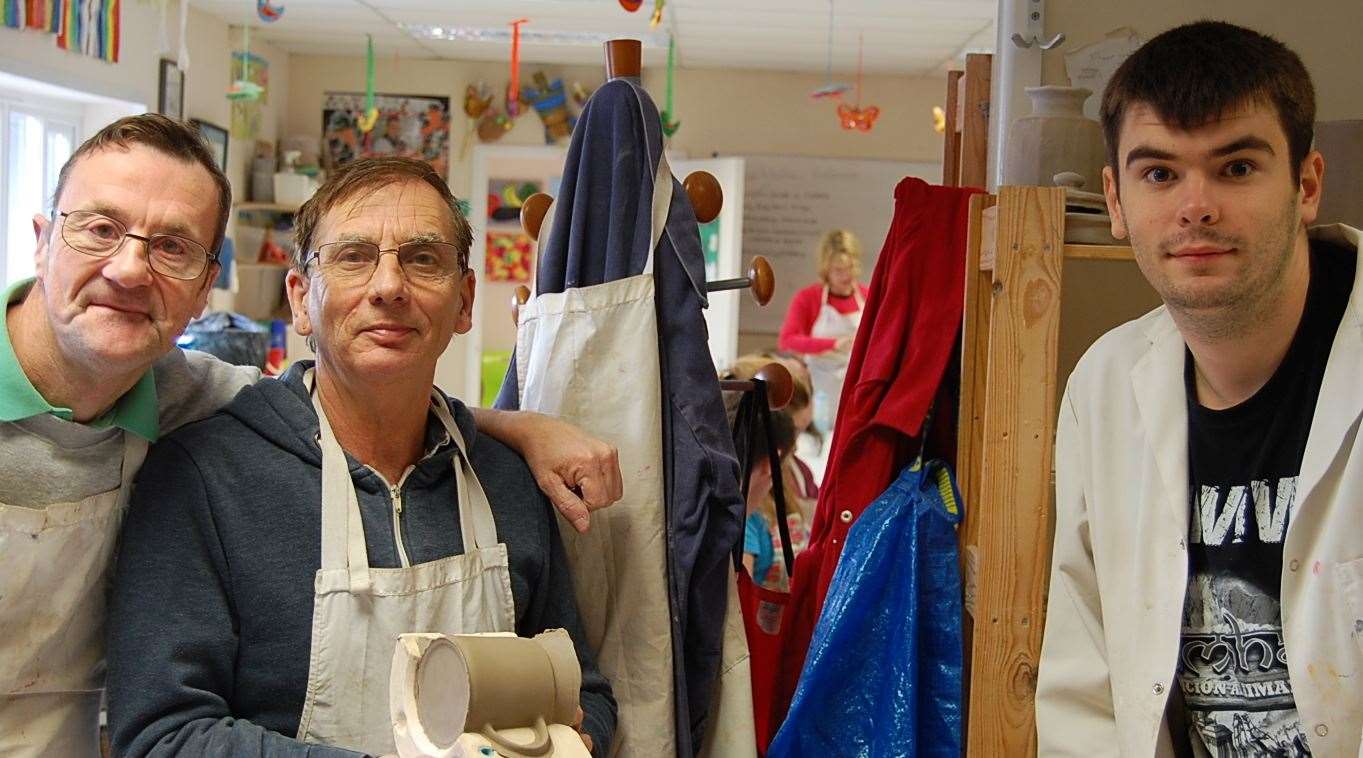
x=822, y=321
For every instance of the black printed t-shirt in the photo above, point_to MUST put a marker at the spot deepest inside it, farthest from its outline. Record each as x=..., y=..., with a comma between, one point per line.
x=1243, y=468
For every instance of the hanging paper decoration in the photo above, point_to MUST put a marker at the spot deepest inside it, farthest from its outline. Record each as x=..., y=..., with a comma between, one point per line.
x=551, y=103
x=89, y=27
x=477, y=99
x=248, y=113
x=268, y=13
x=856, y=117
x=631, y=5
x=370, y=117
x=243, y=88
x=830, y=88
x=513, y=87
x=580, y=94
x=182, y=60
x=670, y=125
x=40, y=15
x=939, y=119
x=657, y=14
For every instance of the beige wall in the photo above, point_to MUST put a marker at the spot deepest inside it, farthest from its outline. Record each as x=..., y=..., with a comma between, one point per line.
x=135, y=77
x=725, y=112
x=1323, y=32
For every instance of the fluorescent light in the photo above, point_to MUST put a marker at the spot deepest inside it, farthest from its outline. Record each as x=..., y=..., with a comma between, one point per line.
x=529, y=35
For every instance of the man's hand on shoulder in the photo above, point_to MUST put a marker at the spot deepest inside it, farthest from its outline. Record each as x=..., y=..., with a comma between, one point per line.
x=577, y=472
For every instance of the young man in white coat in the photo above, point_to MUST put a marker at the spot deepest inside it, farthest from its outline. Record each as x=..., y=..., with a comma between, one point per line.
x=1206, y=591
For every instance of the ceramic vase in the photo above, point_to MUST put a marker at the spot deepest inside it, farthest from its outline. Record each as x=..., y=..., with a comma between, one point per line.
x=1056, y=137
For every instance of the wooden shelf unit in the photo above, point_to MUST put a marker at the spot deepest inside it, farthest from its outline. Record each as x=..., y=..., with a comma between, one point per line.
x=1006, y=450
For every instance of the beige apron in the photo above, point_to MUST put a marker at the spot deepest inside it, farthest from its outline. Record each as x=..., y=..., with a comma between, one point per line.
x=828, y=370
x=358, y=612
x=590, y=356
x=54, y=580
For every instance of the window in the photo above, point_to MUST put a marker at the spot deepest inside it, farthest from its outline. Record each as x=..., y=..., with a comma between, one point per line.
x=36, y=138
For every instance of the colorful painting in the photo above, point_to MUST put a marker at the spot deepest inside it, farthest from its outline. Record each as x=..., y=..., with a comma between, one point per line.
x=505, y=197
x=246, y=114
x=414, y=126
x=509, y=255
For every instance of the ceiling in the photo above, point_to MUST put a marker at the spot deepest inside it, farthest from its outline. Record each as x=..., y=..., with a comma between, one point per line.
x=907, y=37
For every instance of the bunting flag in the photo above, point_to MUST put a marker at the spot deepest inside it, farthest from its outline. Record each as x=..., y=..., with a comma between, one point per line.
x=90, y=27
x=39, y=15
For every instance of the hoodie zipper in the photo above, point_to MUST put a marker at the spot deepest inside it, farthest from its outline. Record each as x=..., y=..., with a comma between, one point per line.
x=395, y=494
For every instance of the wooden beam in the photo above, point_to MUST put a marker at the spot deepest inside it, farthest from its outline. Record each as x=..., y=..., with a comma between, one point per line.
x=951, y=144
x=975, y=129
x=970, y=427
x=1015, y=499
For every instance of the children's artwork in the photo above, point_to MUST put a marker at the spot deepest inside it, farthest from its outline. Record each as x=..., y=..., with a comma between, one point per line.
x=505, y=197
x=414, y=126
x=246, y=113
x=509, y=255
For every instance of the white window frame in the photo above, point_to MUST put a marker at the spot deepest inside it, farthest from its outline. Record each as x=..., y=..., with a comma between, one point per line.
x=67, y=113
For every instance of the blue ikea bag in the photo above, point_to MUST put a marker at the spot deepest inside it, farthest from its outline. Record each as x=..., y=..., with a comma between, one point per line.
x=883, y=672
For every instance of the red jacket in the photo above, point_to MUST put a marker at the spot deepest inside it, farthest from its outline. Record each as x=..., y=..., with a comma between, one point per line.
x=908, y=331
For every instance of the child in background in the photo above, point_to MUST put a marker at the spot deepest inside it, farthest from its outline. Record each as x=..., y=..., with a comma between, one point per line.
x=761, y=541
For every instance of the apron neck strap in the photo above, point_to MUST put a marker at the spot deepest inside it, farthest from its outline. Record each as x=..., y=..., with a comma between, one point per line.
x=343, y=545
x=475, y=513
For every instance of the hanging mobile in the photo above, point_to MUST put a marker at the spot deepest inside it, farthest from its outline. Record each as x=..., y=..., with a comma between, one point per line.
x=857, y=117
x=268, y=13
x=657, y=14
x=370, y=117
x=670, y=126
x=243, y=88
x=830, y=88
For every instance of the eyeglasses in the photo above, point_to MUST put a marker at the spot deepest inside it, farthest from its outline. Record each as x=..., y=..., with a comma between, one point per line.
x=168, y=254
x=355, y=261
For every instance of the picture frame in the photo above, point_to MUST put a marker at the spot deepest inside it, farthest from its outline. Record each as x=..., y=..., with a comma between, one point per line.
x=170, y=95
x=216, y=137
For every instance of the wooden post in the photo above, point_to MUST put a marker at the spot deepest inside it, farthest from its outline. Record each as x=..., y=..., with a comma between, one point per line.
x=970, y=429
x=975, y=129
x=1015, y=492
x=951, y=144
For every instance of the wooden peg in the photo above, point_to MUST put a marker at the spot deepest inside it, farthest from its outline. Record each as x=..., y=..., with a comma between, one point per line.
x=532, y=213
x=519, y=297
x=623, y=58
x=761, y=280
x=707, y=197
x=780, y=385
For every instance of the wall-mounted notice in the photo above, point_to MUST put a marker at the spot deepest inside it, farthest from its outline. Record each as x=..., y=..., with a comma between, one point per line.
x=790, y=201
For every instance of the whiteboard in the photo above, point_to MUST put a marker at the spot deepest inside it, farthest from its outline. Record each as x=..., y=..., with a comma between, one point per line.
x=790, y=201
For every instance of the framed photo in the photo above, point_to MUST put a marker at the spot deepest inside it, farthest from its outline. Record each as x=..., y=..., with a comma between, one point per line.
x=170, y=97
x=216, y=137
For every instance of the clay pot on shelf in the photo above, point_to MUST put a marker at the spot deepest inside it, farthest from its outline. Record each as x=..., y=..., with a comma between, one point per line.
x=1056, y=137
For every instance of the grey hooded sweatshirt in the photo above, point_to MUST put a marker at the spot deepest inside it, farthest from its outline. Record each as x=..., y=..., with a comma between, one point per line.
x=211, y=615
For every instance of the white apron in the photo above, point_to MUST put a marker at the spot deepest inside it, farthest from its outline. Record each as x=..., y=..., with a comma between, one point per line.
x=590, y=356
x=828, y=370
x=54, y=580
x=358, y=612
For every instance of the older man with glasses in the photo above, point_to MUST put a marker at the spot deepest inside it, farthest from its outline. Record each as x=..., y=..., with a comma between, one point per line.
x=320, y=515
x=89, y=376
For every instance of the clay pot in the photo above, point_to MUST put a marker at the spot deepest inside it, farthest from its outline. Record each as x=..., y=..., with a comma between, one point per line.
x=1056, y=137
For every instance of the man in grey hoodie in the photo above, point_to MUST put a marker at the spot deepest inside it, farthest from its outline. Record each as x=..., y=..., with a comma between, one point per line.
x=273, y=551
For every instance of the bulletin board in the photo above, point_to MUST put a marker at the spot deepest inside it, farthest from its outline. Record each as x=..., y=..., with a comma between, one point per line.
x=790, y=201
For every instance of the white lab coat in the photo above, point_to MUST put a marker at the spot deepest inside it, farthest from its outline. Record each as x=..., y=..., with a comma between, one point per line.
x=1120, y=567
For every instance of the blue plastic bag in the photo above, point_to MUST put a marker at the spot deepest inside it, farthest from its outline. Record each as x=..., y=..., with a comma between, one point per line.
x=883, y=672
